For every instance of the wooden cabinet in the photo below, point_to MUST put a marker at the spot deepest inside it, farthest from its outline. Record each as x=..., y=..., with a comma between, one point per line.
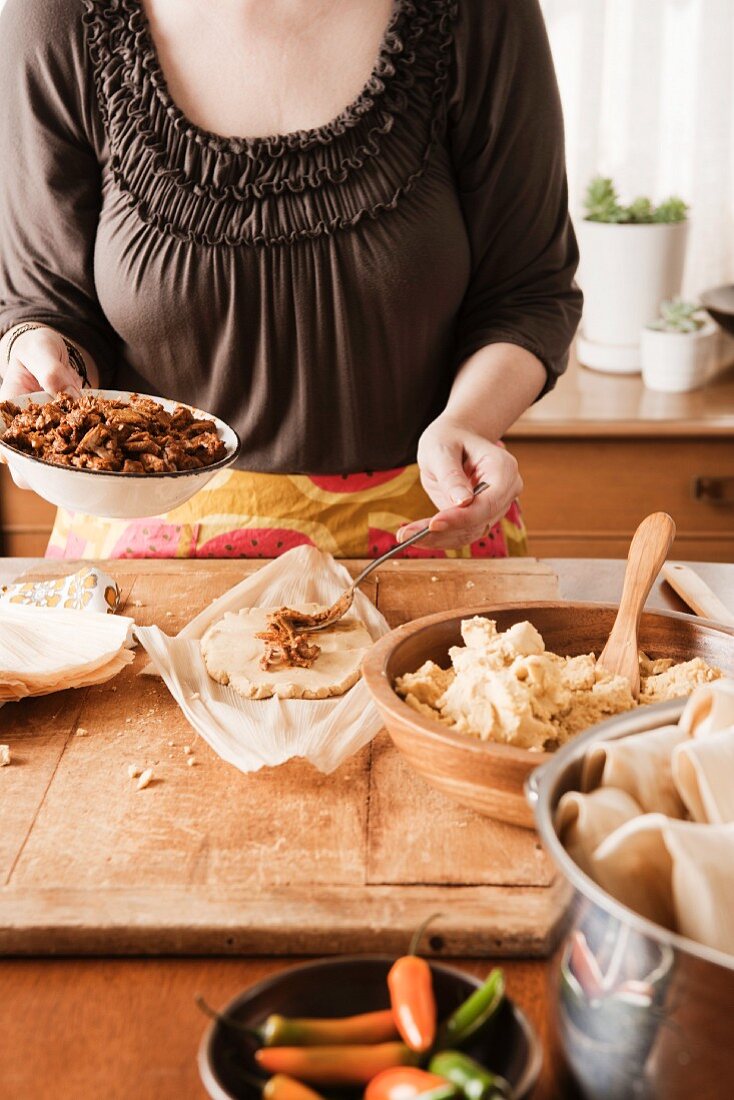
x=585, y=497
x=25, y=520
x=601, y=452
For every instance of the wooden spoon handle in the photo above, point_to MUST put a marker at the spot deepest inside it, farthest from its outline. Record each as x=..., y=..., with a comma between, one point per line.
x=649, y=547
x=648, y=550
x=696, y=593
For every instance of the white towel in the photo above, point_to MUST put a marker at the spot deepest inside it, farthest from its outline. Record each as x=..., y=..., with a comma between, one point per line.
x=677, y=873
x=641, y=766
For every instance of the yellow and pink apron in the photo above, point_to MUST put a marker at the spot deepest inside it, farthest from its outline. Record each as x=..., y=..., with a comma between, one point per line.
x=252, y=515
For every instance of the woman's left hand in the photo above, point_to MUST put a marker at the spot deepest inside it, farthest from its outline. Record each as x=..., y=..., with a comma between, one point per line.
x=453, y=459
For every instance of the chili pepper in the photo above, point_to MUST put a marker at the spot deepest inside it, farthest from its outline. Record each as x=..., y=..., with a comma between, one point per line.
x=285, y=1031
x=282, y=1087
x=408, y=1083
x=475, y=1012
x=411, y=995
x=369, y=1027
x=475, y=1081
x=334, y=1065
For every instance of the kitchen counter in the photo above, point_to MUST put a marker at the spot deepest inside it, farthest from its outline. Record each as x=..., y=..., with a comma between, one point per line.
x=118, y=1028
x=587, y=402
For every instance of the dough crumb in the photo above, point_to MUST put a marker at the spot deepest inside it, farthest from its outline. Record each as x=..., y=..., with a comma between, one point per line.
x=82, y=732
x=133, y=771
x=4, y=756
x=433, y=580
x=187, y=750
x=470, y=584
x=145, y=779
x=137, y=603
x=191, y=760
x=169, y=614
x=194, y=695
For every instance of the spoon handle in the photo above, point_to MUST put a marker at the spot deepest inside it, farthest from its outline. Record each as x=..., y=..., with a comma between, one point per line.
x=408, y=542
x=648, y=550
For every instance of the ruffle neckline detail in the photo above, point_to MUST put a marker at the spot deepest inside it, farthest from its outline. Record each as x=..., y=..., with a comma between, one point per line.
x=199, y=186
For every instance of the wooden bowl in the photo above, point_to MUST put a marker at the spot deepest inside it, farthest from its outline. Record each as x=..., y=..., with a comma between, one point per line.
x=483, y=775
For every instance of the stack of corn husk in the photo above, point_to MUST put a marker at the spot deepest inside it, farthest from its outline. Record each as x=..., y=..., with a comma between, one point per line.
x=50, y=649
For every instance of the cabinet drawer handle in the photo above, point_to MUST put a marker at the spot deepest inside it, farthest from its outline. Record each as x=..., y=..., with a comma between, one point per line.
x=714, y=490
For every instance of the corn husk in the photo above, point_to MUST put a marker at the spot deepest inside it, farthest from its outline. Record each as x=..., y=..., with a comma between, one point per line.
x=254, y=733
x=46, y=649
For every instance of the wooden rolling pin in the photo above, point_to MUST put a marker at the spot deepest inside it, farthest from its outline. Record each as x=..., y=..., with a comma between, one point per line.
x=696, y=593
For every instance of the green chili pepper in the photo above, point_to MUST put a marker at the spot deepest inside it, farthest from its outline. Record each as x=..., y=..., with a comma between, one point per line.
x=475, y=1081
x=476, y=1011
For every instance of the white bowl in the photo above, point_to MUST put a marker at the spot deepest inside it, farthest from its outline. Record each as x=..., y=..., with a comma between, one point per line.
x=109, y=494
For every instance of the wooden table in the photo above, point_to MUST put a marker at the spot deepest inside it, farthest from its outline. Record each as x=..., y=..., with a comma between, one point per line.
x=82, y=1029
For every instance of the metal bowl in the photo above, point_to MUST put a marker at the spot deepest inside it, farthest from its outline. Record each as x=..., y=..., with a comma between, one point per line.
x=659, y=1025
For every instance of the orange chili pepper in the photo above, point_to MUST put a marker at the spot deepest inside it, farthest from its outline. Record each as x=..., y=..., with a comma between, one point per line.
x=304, y=1031
x=407, y=1083
x=282, y=1087
x=411, y=995
x=334, y=1065
x=368, y=1027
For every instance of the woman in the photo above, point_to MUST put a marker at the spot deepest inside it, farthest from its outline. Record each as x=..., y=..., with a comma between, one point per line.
x=352, y=295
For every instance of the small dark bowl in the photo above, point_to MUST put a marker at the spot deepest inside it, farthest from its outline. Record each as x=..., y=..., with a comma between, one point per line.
x=719, y=302
x=343, y=987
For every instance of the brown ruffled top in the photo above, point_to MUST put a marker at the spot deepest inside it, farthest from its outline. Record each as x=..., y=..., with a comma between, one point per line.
x=316, y=289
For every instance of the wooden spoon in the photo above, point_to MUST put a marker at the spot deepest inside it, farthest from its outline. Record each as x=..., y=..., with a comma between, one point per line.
x=648, y=550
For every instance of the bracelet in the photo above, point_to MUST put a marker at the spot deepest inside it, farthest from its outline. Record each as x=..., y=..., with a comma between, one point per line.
x=19, y=332
x=77, y=362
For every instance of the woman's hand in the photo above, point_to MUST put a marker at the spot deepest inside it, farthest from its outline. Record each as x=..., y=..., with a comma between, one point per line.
x=453, y=458
x=39, y=361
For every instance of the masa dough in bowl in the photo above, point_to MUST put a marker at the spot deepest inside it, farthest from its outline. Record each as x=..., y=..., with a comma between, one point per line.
x=506, y=687
x=232, y=655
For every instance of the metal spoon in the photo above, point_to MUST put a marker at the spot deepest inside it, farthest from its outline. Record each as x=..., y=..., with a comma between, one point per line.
x=340, y=607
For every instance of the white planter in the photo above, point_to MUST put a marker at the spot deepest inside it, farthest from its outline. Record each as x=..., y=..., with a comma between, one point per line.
x=675, y=362
x=625, y=272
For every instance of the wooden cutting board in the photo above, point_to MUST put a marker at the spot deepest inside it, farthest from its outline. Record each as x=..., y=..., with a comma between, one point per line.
x=208, y=860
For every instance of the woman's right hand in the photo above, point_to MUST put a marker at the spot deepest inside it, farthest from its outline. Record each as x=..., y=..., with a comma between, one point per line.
x=39, y=361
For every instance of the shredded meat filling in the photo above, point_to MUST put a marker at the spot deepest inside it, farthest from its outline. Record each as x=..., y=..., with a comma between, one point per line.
x=98, y=433
x=286, y=638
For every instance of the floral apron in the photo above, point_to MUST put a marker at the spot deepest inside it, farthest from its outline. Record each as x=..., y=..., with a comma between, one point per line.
x=252, y=515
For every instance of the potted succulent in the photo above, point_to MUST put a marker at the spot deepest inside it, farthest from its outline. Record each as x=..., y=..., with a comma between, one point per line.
x=631, y=260
x=678, y=351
